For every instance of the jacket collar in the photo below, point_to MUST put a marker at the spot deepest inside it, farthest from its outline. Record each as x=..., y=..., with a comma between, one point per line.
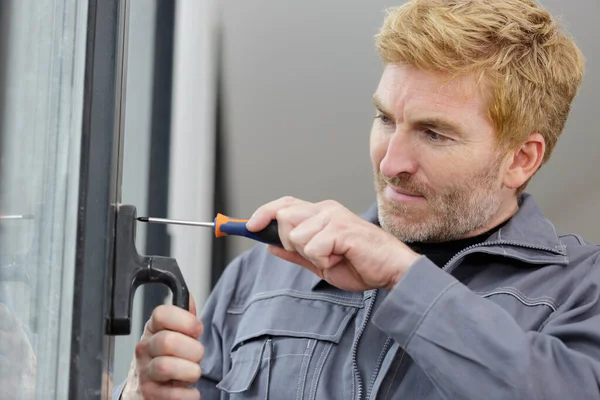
x=527, y=228
x=530, y=228
x=528, y=236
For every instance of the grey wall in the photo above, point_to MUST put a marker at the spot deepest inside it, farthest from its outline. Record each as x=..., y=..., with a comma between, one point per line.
x=298, y=90
x=568, y=187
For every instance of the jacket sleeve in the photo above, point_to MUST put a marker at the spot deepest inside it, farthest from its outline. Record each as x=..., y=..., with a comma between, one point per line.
x=216, y=351
x=471, y=347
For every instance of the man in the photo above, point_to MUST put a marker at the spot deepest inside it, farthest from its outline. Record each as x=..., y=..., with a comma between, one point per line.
x=454, y=286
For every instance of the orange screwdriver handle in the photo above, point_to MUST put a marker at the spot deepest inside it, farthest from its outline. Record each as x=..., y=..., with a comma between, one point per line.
x=225, y=226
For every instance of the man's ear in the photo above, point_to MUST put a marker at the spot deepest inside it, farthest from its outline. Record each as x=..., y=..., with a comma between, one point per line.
x=525, y=161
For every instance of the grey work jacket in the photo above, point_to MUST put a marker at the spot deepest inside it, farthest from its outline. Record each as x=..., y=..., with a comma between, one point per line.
x=516, y=317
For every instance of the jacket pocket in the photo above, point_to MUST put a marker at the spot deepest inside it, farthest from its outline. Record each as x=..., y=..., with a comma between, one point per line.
x=281, y=345
x=247, y=362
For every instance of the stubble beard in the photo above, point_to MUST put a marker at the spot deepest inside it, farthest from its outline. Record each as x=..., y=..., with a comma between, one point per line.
x=450, y=214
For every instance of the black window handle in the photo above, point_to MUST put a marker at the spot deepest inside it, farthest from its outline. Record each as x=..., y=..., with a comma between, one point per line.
x=131, y=270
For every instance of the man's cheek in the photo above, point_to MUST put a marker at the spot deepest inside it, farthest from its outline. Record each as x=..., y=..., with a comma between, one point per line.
x=378, y=146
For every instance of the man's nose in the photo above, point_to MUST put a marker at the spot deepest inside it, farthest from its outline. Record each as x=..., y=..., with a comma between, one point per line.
x=400, y=156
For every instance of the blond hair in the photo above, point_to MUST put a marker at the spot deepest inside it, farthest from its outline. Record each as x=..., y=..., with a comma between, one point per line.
x=530, y=69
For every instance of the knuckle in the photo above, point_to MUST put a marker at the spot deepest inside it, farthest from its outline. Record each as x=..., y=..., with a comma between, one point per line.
x=197, y=394
x=150, y=391
x=330, y=203
x=200, y=354
x=160, y=367
x=159, y=313
x=166, y=343
x=325, y=215
x=172, y=395
x=281, y=214
x=293, y=236
x=141, y=349
x=288, y=199
x=147, y=327
x=146, y=391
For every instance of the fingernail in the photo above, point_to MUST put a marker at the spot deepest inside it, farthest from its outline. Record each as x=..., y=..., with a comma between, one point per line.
x=250, y=223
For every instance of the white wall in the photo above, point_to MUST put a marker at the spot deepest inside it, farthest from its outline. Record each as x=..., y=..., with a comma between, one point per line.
x=193, y=142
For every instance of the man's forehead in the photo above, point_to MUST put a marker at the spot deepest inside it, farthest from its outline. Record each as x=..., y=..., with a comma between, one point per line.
x=402, y=86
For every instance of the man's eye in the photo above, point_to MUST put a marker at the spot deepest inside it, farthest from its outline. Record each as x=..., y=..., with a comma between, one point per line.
x=435, y=137
x=384, y=119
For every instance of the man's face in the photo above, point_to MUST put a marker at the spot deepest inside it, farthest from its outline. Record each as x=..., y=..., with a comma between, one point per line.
x=437, y=165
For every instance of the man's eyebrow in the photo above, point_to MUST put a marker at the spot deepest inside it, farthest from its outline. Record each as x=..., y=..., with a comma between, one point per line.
x=439, y=123
x=379, y=105
x=434, y=123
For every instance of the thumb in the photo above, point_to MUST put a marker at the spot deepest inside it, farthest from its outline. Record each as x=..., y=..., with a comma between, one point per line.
x=192, y=305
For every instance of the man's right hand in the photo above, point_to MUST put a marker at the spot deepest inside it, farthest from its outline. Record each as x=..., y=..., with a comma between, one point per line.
x=167, y=356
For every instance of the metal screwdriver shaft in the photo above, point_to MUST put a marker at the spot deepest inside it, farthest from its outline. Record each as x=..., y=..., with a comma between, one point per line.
x=224, y=226
x=176, y=222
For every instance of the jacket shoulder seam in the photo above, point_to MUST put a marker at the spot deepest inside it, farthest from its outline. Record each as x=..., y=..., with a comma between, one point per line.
x=548, y=301
x=577, y=237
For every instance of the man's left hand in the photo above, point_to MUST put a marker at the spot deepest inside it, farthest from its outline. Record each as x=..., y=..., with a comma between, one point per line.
x=335, y=244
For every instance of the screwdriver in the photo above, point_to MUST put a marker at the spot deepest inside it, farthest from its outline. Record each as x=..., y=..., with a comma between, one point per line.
x=226, y=226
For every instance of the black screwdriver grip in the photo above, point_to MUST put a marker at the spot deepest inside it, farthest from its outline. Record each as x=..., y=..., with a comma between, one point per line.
x=225, y=226
x=269, y=235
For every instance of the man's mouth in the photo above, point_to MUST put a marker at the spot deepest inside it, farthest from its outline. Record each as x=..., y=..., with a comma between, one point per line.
x=402, y=195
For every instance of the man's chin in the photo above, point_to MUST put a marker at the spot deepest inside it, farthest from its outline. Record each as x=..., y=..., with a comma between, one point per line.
x=402, y=231
x=404, y=222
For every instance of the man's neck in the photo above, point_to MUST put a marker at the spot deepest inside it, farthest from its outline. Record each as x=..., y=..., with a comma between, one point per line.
x=508, y=209
x=440, y=253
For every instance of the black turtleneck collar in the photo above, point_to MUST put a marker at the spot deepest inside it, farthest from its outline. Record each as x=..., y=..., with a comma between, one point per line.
x=440, y=253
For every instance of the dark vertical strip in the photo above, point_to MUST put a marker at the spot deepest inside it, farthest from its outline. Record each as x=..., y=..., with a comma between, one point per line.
x=219, y=247
x=98, y=190
x=157, y=238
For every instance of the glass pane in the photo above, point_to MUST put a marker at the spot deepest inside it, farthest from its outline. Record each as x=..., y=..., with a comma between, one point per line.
x=42, y=75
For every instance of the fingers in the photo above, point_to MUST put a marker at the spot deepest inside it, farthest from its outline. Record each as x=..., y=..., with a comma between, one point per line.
x=165, y=369
x=174, y=344
x=293, y=257
x=268, y=212
x=289, y=213
x=167, y=357
x=299, y=222
x=289, y=218
x=170, y=392
x=173, y=318
x=192, y=305
x=302, y=234
x=324, y=249
x=318, y=239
